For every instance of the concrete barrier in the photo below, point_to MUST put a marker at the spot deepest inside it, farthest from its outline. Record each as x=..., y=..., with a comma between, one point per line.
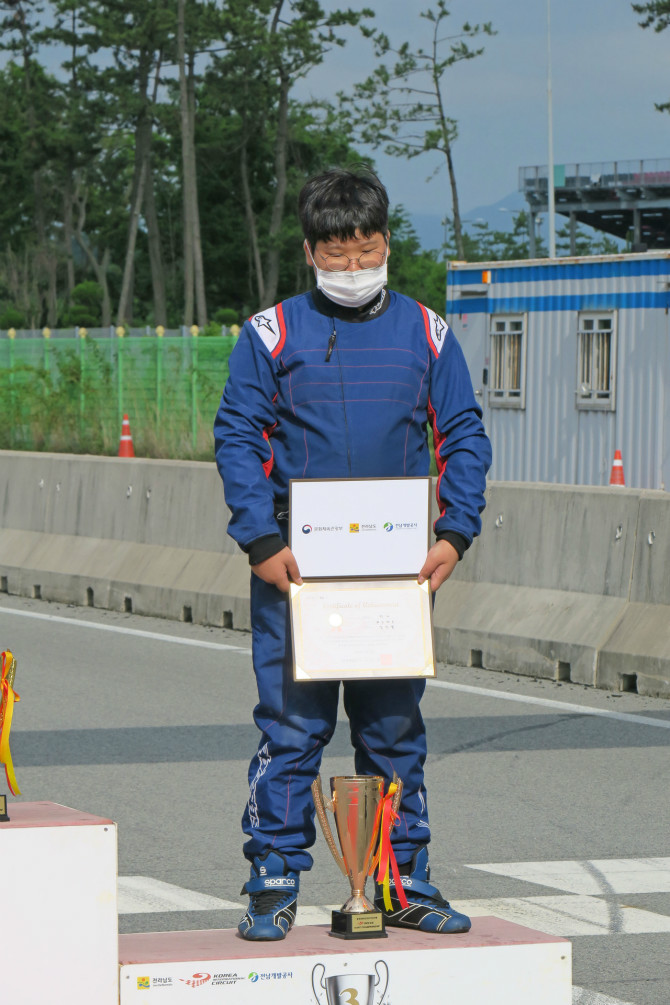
x=637, y=654
x=566, y=582
x=139, y=535
x=546, y=584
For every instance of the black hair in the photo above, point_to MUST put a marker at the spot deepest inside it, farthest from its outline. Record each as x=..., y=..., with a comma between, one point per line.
x=339, y=202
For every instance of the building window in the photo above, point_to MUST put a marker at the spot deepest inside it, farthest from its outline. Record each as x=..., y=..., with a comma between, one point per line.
x=508, y=361
x=596, y=362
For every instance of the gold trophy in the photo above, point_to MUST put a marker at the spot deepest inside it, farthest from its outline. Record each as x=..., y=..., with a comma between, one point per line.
x=356, y=801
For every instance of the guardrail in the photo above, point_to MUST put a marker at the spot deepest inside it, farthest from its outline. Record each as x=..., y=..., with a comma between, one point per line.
x=567, y=583
x=604, y=174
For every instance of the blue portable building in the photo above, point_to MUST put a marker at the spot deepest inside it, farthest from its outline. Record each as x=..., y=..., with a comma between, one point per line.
x=570, y=359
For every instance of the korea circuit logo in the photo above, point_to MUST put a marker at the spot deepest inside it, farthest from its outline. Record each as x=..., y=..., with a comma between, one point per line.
x=307, y=528
x=196, y=981
x=388, y=527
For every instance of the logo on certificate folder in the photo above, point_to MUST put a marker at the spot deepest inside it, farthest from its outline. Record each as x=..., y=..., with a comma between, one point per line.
x=388, y=527
x=354, y=528
x=307, y=528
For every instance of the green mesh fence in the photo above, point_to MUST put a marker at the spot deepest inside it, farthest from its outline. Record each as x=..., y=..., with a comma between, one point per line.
x=70, y=394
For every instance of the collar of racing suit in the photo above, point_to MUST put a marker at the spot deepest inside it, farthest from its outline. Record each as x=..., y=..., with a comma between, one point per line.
x=373, y=309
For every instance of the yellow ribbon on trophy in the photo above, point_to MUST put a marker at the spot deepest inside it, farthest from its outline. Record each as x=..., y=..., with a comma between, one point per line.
x=7, y=698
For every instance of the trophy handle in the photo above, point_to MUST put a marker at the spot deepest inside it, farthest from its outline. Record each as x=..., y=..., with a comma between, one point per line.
x=320, y=807
x=317, y=981
x=380, y=965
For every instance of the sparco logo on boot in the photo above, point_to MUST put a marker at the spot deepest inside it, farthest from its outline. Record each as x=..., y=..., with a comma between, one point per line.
x=282, y=881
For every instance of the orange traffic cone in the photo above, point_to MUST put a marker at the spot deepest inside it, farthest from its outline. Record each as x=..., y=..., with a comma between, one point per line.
x=616, y=476
x=126, y=448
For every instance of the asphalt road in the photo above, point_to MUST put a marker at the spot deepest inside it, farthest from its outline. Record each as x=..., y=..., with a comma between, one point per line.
x=559, y=816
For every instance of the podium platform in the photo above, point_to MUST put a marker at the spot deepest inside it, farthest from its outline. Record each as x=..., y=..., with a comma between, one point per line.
x=497, y=963
x=60, y=943
x=58, y=907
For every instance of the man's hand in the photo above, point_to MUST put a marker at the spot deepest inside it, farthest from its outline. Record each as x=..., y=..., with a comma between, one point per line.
x=440, y=562
x=279, y=570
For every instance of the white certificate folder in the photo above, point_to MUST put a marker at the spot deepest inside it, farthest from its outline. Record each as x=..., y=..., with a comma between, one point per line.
x=360, y=613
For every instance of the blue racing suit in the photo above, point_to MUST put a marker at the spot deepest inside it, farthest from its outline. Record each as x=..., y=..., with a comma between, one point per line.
x=316, y=390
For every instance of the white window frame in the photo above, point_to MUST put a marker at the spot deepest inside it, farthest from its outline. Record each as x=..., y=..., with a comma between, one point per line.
x=596, y=360
x=506, y=357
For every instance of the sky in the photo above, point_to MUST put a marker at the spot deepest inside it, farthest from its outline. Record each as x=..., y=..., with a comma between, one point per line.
x=607, y=72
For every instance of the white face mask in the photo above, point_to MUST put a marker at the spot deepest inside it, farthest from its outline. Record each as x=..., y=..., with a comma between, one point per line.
x=350, y=289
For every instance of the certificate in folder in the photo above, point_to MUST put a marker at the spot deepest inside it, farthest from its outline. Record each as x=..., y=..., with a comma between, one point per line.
x=360, y=612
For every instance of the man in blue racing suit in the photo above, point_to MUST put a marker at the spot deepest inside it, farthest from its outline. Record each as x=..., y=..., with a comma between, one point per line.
x=341, y=382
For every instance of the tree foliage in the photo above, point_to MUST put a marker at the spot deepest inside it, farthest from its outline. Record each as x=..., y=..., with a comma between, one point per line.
x=656, y=15
x=151, y=176
x=483, y=243
x=404, y=108
x=162, y=159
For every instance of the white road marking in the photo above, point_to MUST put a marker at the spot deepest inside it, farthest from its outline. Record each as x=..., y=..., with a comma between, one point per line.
x=580, y=996
x=315, y=915
x=566, y=915
x=144, y=895
x=563, y=706
x=122, y=630
x=598, y=876
x=569, y=915
x=527, y=699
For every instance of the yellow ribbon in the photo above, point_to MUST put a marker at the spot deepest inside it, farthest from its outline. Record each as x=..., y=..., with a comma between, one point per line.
x=385, y=861
x=7, y=698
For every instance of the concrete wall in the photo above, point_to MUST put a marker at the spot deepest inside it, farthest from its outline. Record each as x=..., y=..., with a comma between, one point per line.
x=566, y=582
x=142, y=535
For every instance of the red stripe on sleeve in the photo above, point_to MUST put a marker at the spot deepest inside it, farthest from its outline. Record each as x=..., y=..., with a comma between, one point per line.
x=426, y=321
x=269, y=464
x=441, y=462
x=282, y=332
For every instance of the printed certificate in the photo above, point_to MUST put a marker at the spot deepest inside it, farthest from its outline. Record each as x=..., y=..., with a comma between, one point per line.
x=361, y=629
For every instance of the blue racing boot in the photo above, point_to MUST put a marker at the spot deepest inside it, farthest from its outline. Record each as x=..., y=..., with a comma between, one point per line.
x=428, y=911
x=273, y=891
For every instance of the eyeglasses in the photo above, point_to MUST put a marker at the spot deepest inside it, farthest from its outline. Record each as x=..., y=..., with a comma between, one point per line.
x=340, y=263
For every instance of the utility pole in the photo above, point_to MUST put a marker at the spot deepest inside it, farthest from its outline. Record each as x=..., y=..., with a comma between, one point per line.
x=550, y=168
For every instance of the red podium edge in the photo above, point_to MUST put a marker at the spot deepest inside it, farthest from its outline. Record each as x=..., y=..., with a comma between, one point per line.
x=314, y=940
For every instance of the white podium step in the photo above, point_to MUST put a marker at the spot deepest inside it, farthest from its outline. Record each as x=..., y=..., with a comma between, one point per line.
x=58, y=904
x=497, y=962
x=60, y=945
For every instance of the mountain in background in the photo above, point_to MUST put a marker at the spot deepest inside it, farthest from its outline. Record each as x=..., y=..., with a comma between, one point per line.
x=498, y=215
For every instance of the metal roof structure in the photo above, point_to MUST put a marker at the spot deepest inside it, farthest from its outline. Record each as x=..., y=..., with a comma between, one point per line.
x=628, y=199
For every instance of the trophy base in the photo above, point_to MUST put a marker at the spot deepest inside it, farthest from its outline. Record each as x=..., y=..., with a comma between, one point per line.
x=369, y=925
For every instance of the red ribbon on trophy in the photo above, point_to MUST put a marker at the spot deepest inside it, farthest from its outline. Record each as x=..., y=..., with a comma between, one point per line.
x=7, y=698
x=385, y=859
